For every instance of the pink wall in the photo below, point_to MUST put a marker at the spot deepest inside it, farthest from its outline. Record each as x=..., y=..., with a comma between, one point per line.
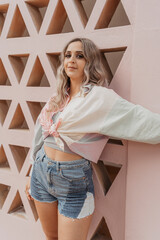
x=143, y=175
x=130, y=46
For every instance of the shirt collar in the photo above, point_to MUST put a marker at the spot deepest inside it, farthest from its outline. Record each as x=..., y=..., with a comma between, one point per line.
x=83, y=90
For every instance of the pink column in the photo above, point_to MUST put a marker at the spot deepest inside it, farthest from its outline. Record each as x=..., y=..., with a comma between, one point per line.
x=143, y=174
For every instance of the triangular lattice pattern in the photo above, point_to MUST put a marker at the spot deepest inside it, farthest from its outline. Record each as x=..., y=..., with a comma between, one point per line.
x=32, y=35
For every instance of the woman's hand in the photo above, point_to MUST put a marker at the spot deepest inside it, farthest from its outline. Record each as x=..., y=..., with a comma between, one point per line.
x=27, y=190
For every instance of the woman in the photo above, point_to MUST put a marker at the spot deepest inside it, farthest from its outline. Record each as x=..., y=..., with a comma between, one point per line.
x=71, y=131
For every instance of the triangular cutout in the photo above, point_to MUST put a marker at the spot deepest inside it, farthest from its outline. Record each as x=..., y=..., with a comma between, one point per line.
x=37, y=10
x=33, y=207
x=38, y=76
x=35, y=109
x=19, y=154
x=28, y=172
x=112, y=171
x=4, y=190
x=18, y=120
x=3, y=11
x=115, y=141
x=112, y=10
x=111, y=60
x=18, y=63
x=3, y=75
x=60, y=22
x=4, y=107
x=102, y=231
x=120, y=17
x=54, y=61
x=85, y=9
x=3, y=159
x=103, y=176
x=17, y=207
x=106, y=174
x=18, y=26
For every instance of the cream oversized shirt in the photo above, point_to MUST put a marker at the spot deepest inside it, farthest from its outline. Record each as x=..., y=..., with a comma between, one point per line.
x=91, y=117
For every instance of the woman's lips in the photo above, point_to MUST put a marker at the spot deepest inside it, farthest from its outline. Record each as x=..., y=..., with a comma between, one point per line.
x=72, y=68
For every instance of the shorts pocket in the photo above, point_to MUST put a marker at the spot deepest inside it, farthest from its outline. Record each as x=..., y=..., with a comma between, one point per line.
x=39, y=156
x=73, y=174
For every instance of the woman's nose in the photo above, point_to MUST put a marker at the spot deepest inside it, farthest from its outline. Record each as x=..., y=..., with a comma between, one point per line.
x=72, y=58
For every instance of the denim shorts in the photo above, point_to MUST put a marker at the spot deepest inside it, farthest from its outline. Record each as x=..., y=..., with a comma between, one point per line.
x=68, y=182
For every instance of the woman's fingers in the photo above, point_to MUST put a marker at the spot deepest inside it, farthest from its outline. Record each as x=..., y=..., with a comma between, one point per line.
x=28, y=190
x=28, y=194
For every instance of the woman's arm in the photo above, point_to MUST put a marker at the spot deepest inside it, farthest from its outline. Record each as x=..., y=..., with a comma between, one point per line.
x=36, y=143
x=132, y=122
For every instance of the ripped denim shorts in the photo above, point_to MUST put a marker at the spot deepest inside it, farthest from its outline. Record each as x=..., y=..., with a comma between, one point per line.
x=68, y=182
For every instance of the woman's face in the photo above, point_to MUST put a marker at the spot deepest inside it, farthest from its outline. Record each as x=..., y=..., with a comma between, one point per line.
x=74, y=61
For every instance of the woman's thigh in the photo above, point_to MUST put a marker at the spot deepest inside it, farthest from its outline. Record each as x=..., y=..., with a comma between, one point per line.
x=48, y=215
x=73, y=229
x=76, y=209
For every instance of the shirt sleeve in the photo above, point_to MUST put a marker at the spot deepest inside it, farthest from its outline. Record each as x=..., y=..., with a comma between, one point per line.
x=126, y=120
x=37, y=143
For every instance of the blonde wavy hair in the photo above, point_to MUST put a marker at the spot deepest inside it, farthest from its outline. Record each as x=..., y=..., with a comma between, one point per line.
x=94, y=72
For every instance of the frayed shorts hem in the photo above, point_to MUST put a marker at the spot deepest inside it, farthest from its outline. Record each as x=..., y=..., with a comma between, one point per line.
x=63, y=214
x=43, y=201
x=74, y=218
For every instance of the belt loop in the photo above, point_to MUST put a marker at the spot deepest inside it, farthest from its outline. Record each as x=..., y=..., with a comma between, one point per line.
x=49, y=175
x=57, y=165
x=42, y=157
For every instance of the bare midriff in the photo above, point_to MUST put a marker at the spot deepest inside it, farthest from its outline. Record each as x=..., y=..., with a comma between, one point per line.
x=57, y=155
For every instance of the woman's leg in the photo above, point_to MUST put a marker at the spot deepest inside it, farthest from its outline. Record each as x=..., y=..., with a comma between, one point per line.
x=48, y=216
x=73, y=229
x=76, y=207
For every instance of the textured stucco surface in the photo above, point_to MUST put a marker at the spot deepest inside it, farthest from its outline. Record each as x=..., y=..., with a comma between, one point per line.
x=30, y=42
